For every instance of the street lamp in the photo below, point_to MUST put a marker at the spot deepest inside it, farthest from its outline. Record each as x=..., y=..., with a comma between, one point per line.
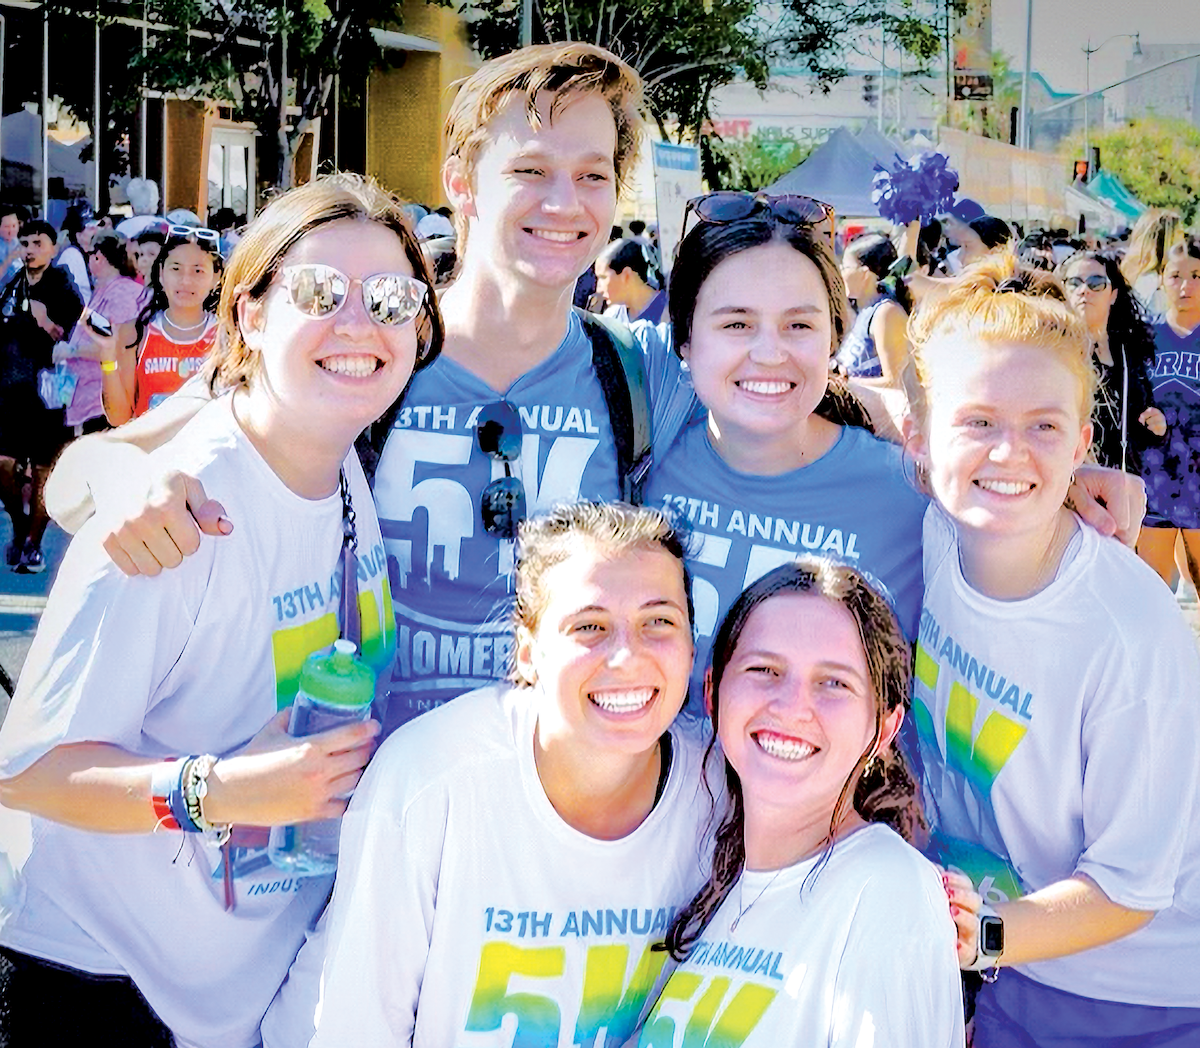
x=1088, y=51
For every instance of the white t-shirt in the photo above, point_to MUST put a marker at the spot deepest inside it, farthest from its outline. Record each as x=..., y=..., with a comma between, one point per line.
x=1058, y=736
x=194, y=661
x=861, y=955
x=467, y=912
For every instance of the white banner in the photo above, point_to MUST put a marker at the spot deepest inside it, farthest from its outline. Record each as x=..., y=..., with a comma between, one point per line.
x=676, y=181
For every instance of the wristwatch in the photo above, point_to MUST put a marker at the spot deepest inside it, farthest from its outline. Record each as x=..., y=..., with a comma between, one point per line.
x=991, y=944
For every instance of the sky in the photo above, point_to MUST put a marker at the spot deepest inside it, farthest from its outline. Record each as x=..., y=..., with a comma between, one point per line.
x=1062, y=28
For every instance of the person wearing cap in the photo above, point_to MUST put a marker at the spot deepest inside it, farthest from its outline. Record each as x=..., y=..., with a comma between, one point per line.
x=968, y=245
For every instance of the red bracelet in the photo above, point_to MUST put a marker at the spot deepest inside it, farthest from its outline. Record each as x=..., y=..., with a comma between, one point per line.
x=164, y=781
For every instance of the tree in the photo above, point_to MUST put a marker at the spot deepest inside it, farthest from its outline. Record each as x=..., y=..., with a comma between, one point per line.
x=686, y=49
x=683, y=49
x=234, y=51
x=1158, y=159
x=751, y=163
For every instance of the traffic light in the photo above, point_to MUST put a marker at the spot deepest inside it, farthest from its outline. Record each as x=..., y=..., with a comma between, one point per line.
x=870, y=90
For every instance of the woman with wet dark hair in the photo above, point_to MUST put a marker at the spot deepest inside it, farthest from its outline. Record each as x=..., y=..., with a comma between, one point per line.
x=840, y=926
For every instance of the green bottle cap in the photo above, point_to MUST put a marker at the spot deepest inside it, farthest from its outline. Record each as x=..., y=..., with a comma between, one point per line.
x=339, y=678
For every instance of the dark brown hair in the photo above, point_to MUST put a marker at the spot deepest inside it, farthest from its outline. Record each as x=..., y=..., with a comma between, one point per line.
x=880, y=787
x=708, y=244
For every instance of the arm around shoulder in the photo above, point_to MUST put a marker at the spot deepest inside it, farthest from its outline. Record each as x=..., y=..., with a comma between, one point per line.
x=900, y=962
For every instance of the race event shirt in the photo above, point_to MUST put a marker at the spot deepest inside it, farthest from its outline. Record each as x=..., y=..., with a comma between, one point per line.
x=452, y=581
x=855, y=504
x=1057, y=737
x=467, y=911
x=855, y=951
x=197, y=660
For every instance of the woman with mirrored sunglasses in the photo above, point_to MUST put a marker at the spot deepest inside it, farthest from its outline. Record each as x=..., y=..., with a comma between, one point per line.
x=1125, y=420
x=145, y=752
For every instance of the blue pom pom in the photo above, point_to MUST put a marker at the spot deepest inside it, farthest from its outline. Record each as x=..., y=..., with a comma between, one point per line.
x=921, y=188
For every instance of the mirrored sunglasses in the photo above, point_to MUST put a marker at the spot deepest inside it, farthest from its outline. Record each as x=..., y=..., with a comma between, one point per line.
x=728, y=205
x=318, y=290
x=499, y=432
x=1094, y=282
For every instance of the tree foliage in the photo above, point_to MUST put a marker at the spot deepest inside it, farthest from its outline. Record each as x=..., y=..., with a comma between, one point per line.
x=754, y=162
x=683, y=49
x=232, y=51
x=1158, y=159
x=686, y=49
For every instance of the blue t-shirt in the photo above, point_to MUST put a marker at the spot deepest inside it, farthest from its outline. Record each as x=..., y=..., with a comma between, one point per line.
x=856, y=504
x=451, y=581
x=1171, y=469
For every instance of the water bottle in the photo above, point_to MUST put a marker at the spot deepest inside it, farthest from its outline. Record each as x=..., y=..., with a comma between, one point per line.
x=335, y=689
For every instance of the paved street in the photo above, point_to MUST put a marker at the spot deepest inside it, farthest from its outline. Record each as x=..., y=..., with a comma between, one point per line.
x=22, y=598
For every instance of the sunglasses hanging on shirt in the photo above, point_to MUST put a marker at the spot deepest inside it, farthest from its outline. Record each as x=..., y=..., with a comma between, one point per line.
x=499, y=433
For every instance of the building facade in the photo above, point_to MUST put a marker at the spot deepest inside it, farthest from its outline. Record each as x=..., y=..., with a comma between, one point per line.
x=73, y=126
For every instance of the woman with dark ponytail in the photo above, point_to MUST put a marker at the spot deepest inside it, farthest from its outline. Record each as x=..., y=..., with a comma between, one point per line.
x=834, y=929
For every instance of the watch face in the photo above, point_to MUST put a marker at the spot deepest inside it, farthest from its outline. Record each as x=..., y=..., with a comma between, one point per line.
x=991, y=931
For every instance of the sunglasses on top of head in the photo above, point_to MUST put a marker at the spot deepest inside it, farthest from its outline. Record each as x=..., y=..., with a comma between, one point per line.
x=317, y=290
x=200, y=235
x=727, y=205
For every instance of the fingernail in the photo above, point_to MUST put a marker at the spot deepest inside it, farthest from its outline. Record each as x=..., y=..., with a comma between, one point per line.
x=224, y=525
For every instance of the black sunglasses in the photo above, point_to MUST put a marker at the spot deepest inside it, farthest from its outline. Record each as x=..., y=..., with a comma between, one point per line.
x=1094, y=281
x=499, y=434
x=729, y=205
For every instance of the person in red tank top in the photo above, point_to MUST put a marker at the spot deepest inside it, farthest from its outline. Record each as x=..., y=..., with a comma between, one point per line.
x=175, y=331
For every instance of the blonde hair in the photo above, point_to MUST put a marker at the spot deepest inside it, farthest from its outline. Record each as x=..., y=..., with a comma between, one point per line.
x=565, y=70
x=614, y=528
x=1154, y=234
x=999, y=301
x=280, y=226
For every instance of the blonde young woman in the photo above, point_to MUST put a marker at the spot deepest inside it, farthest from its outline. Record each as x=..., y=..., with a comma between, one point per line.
x=150, y=720
x=1055, y=689
x=1153, y=235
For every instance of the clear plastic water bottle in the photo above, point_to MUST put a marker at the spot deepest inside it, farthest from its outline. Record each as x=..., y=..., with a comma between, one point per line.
x=335, y=689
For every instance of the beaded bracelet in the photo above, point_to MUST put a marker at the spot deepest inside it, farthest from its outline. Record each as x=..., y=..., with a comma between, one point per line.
x=195, y=789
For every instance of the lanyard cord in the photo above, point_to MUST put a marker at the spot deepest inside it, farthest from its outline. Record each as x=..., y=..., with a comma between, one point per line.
x=348, y=603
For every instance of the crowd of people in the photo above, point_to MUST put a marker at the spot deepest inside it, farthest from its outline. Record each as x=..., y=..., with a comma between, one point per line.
x=705, y=712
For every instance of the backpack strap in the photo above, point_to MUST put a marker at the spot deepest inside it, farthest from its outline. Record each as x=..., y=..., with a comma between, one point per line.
x=622, y=374
x=370, y=441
